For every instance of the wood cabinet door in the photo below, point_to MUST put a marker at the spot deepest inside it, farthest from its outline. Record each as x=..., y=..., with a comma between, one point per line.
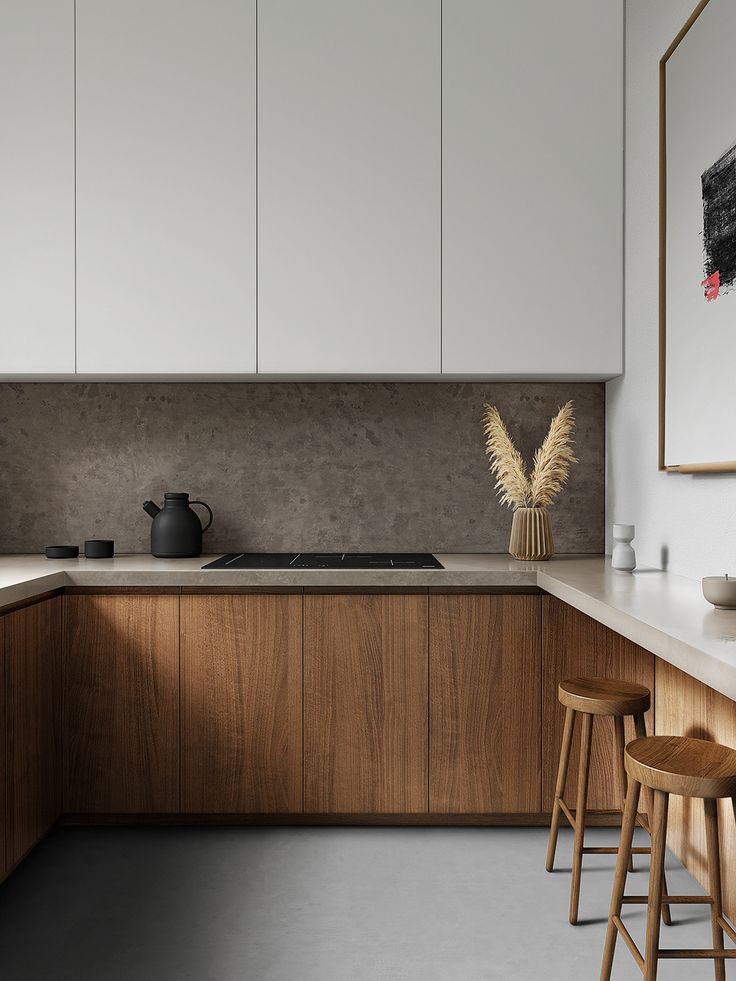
x=484, y=704
x=686, y=707
x=365, y=703
x=32, y=724
x=574, y=644
x=121, y=704
x=349, y=172
x=165, y=186
x=3, y=758
x=241, y=703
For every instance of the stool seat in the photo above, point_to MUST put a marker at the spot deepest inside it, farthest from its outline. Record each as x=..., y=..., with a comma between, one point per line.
x=604, y=696
x=683, y=766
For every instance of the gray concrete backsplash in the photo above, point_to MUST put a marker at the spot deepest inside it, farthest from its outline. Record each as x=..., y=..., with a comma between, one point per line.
x=285, y=466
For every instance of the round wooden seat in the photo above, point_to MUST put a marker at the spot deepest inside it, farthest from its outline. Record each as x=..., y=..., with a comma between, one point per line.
x=683, y=766
x=604, y=696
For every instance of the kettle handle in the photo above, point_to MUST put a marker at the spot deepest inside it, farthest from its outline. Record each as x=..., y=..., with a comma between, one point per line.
x=209, y=509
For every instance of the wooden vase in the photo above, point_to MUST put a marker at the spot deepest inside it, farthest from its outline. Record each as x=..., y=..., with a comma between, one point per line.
x=531, y=535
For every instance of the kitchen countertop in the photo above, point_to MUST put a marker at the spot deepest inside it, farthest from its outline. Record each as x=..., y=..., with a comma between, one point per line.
x=664, y=613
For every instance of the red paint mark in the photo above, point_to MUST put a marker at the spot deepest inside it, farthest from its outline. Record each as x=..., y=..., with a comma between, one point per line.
x=712, y=285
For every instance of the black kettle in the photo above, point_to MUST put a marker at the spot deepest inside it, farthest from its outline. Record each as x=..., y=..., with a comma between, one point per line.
x=176, y=532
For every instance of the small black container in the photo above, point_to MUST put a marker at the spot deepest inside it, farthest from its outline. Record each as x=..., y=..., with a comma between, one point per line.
x=99, y=548
x=62, y=551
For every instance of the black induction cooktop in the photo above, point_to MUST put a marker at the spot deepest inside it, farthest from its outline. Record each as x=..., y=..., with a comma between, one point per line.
x=325, y=560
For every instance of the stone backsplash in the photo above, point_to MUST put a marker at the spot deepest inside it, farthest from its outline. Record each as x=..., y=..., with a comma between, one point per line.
x=285, y=466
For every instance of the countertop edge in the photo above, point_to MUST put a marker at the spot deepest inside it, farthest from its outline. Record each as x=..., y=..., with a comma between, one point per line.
x=28, y=589
x=619, y=603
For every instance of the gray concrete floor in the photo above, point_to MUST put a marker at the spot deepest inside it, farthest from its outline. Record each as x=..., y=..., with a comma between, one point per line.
x=318, y=904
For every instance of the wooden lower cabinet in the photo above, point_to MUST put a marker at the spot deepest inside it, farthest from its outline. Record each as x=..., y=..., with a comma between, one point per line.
x=484, y=704
x=241, y=703
x=3, y=812
x=365, y=703
x=574, y=644
x=686, y=707
x=121, y=704
x=32, y=725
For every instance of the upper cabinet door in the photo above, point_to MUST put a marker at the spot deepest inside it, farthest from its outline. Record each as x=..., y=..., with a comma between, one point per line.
x=532, y=187
x=349, y=97
x=37, y=187
x=166, y=186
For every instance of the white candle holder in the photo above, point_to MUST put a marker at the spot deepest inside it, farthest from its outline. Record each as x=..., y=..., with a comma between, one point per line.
x=624, y=556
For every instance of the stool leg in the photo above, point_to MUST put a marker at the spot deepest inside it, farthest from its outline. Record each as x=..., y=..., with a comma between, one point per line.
x=641, y=731
x=618, y=722
x=619, y=883
x=656, y=873
x=714, y=880
x=577, y=852
x=560, y=786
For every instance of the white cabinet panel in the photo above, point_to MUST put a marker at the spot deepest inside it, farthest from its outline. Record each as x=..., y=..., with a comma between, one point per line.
x=532, y=186
x=37, y=186
x=165, y=186
x=349, y=186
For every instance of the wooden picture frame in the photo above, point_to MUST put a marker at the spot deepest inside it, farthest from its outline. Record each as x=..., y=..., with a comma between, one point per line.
x=720, y=466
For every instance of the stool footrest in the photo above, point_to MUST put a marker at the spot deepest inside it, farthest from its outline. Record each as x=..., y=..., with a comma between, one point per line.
x=635, y=952
x=569, y=813
x=670, y=900
x=673, y=953
x=725, y=925
x=614, y=851
x=676, y=953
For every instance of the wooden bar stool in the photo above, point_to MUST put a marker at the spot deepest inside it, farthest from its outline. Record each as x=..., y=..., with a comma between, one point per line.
x=688, y=768
x=589, y=697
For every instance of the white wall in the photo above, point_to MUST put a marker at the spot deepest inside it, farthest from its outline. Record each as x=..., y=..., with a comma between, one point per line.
x=684, y=523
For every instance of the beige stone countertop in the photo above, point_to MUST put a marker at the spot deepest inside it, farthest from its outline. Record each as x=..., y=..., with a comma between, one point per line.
x=664, y=613
x=37, y=573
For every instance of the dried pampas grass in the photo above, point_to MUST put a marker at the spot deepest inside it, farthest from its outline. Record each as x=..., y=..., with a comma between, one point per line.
x=507, y=465
x=552, y=461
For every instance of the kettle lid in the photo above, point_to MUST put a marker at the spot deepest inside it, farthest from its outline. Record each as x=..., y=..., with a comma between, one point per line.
x=176, y=497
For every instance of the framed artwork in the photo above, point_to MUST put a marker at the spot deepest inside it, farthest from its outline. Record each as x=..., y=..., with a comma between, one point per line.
x=697, y=244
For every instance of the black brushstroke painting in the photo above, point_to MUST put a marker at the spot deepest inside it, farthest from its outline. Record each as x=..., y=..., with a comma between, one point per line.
x=719, y=224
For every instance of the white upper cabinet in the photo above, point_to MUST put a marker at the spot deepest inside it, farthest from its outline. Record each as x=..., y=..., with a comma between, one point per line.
x=424, y=188
x=532, y=187
x=349, y=130
x=165, y=186
x=36, y=187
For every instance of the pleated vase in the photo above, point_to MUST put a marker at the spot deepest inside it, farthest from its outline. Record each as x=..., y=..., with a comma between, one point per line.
x=531, y=535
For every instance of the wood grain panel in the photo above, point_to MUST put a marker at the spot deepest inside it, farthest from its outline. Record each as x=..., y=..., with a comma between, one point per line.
x=3, y=744
x=32, y=725
x=121, y=704
x=686, y=707
x=365, y=704
x=574, y=644
x=485, y=711
x=241, y=670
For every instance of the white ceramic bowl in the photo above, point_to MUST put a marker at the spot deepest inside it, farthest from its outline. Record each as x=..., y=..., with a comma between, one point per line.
x=721, y=592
